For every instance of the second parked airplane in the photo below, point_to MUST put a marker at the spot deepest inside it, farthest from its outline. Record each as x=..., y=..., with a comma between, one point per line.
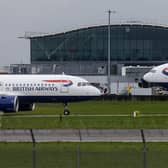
x=158, y=76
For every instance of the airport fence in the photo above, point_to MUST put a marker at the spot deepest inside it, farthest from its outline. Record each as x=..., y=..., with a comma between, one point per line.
x=83, y=154
x=61, y=155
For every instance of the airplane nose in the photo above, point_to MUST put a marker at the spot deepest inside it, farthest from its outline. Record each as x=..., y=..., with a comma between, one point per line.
x=97, y=92
x=147, y=77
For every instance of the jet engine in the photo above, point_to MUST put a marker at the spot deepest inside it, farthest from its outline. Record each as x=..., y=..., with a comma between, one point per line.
x=9, y=103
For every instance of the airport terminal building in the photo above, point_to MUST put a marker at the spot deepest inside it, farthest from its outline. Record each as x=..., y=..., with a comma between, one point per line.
x=84, y=51
x=129, y=43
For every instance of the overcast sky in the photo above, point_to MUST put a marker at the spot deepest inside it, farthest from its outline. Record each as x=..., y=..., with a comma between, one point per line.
x=20, y=16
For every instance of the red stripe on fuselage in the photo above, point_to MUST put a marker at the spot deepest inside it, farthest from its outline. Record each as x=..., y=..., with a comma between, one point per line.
x=58, y=81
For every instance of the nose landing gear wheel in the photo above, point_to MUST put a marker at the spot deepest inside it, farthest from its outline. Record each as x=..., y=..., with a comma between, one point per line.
x=66, y=111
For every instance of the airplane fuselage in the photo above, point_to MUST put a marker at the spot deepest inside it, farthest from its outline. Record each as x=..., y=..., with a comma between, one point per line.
x=46, y=88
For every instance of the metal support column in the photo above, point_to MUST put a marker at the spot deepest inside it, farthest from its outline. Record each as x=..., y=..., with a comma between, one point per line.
x=34, y=149
x=144, y=149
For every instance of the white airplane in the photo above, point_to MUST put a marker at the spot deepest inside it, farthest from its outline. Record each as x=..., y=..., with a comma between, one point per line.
x=158, y=76
x=20, y=92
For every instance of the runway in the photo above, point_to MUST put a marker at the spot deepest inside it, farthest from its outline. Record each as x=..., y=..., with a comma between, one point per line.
x=84, y=135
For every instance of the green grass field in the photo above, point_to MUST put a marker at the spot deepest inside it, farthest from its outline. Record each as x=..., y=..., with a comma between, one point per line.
x=94, y=107
x=103, y=107
x=90, y=155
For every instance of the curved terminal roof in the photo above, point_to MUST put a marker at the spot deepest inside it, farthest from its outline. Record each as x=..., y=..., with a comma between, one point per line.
x=31, y=35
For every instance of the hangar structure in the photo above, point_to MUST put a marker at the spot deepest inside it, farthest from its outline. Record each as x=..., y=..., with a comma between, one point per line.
x=84, y=51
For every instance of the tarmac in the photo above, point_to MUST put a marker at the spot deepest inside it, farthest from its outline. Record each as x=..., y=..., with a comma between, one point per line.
x=84, y=135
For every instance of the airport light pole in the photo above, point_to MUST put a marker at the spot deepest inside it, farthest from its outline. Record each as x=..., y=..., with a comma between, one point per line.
x=109, y=53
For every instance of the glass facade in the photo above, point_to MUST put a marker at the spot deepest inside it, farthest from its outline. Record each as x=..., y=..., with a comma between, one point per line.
x=128, y=43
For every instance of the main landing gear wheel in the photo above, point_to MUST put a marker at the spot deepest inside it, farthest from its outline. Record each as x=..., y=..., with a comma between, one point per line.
x=66, y=111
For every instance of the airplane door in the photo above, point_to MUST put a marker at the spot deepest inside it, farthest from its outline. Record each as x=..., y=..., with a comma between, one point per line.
x=64, y=89
x=1, y=86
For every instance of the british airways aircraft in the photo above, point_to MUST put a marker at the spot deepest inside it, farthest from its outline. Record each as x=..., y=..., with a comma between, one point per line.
x=20, y=92
x=158, y=76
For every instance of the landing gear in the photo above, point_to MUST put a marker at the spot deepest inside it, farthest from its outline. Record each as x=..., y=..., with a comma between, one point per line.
x=66, y=111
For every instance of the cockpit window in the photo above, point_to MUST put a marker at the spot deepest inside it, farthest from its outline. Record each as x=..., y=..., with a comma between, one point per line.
x=83, y=84
x=152, y=71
